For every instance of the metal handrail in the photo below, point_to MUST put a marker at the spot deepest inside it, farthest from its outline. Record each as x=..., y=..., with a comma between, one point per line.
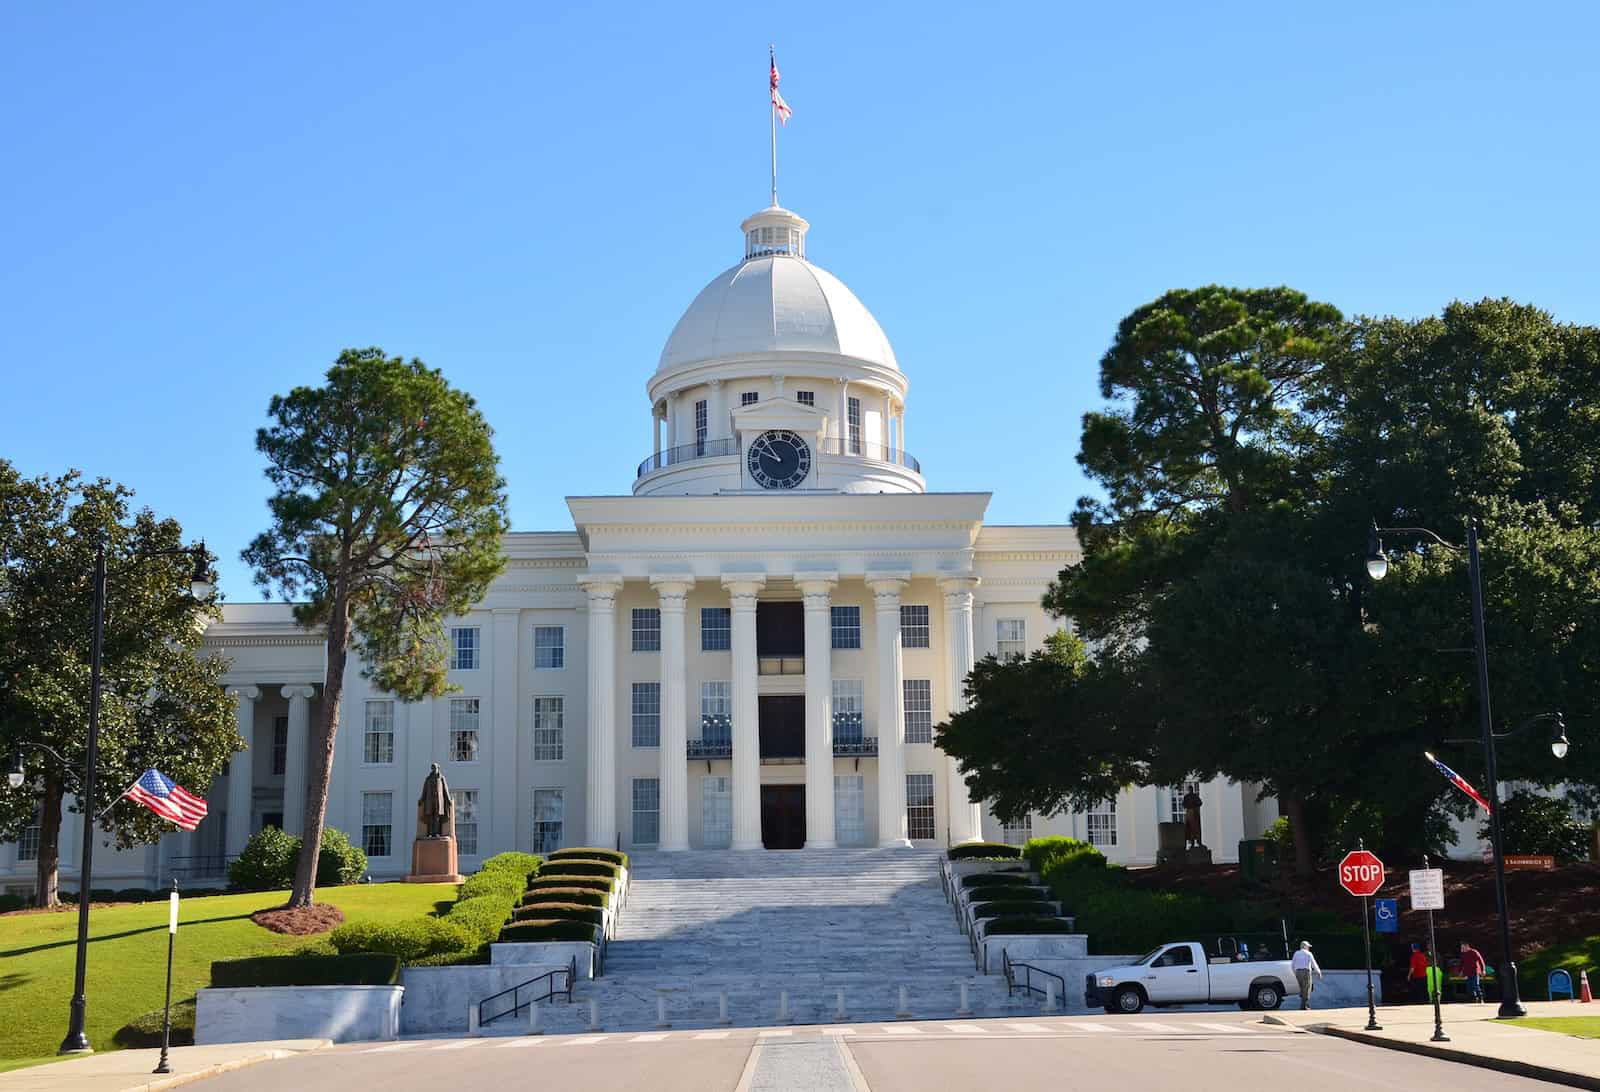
x=866, y=746
x=882, y=453
x=518, y=1004
x=1026, y=985
x=829, y=445
x=199, y=865
x=709, y=748
x=683, y=453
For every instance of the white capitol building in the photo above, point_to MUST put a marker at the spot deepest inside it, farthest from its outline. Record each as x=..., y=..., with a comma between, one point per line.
x=749, y=649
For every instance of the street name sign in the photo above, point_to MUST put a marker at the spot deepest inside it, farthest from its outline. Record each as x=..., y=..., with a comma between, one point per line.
x=1360, y=873
x=1427, y=889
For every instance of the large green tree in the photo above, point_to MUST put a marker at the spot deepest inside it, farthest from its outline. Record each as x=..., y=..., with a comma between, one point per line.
x=162, y=701
x=387, y=517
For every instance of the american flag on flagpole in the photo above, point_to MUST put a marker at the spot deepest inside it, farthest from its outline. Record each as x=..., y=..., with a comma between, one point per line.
x=777, y=100
x=1458, y=781
x=168, y=799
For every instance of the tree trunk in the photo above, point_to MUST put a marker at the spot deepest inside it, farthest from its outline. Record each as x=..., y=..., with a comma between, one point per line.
x=321, y=772
x=47, y=892
x=1295, y=808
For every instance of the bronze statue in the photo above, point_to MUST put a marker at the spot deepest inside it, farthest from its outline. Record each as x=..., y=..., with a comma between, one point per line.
x=435, y=809
x=1191, y=819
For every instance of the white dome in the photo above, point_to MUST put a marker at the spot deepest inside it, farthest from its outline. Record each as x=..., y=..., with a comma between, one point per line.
x=775, y=302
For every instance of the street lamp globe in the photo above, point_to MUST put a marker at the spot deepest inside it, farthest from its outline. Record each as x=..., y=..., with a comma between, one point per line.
x=1558, y=746
x=1377, y=561
x=15, y=776
x=200, y=584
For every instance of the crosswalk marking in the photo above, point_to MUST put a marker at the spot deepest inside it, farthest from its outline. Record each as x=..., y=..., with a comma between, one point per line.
x=586, y=1040
x=390, y=1047
x=653, y=1037
x=1230, y=1028
x=1026, y=1027
x=460, y=1044
x=713, y=1035
x=900, y=1029
x=1097, y=1028
x=773, y=1032
x=966, y=1029
x=526, y=1041
x=1150, y=1025
x=838, y=1031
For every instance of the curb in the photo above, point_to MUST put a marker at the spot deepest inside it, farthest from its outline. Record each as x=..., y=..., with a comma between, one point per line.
x=176, y=1080
x=1502, y=1065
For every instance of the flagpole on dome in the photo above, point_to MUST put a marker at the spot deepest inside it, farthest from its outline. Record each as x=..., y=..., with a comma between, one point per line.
x=772, y=68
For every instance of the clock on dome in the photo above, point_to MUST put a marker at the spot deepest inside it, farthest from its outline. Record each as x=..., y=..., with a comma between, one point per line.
x=778, y=459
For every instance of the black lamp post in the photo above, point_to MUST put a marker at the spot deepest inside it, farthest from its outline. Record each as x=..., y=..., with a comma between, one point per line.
x=1378, y=567
x=77, y=1039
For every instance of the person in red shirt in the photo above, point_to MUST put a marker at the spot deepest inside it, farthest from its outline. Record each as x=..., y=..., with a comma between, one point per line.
x=1472, y=966
x=1417, y=974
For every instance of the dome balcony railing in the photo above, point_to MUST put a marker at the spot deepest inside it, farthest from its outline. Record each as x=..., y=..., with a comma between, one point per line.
x=830, y=445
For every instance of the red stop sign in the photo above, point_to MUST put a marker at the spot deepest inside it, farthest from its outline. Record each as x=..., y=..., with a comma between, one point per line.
x=1360, y=873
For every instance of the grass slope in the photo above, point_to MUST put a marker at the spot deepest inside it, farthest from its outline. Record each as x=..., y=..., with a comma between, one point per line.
x=1584, y=1027
x=128, y=956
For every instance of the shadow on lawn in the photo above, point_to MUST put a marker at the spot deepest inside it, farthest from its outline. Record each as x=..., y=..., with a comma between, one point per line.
x=73, y=941
x=12, y=981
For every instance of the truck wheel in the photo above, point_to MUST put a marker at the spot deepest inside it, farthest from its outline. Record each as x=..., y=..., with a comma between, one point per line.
x=1266, y=996
x=1129, y=999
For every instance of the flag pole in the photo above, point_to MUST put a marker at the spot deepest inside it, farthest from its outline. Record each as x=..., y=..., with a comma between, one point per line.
x=772, y=105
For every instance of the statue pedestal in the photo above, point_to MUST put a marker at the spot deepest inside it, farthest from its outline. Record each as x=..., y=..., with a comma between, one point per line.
x=1169, y=843
x=1199, y=855
x=433, y=860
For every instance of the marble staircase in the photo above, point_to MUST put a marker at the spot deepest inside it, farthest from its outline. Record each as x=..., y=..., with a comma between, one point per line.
x=701, y=925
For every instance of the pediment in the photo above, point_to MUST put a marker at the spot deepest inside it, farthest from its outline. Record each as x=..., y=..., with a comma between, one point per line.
x=780, y=413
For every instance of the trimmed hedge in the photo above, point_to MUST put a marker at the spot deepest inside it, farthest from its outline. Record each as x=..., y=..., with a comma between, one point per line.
x=9, y=903
x=354, y=969
x=992, y=879
x=591, y=853
x=994, y=892
x=562, y=911
x=146, y=1030
x=544, y=929
x=409, y=940
x=503, y=884
x=525, y=865
x=1025, y=926
x=576, y=867
x=1012, y=907
x=600, y=884
x=481, y=917
x=582, y=896
x=986, y=851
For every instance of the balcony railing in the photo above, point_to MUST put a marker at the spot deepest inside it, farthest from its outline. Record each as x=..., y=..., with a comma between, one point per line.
x=830, y=445
x=780, y=665
x=865, y=747
x=710, y=748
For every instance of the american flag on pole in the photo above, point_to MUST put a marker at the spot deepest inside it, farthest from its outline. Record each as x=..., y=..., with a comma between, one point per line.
x=168, y=799
x=777, y=100
x=1458, y=781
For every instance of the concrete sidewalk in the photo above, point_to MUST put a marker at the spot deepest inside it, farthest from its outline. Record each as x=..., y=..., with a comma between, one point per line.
x=1476, y=1037
x=129, y=1070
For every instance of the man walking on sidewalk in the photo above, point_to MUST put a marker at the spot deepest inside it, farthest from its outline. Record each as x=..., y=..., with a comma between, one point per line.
x=1304, y=965
x=1472, y=968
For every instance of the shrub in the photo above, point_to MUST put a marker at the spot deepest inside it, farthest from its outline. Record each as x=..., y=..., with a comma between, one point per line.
x=995, y=879
x=355, y=969
x=983, y=851
x=573, y=866
x=590, y=883
x=409, y=939
x=266, y=863
x=1013, y=907
x=136, y=894
x=582, y=896
x=338, y=862
x=562, y=911
x=1026, y=925
x=591, y=853
x=525, y=865
x=504, y=885
x=547, y=929
x=9, y=903
x=1534, y=823
x=146, y=1030
x=481, y=917
x=993, y=892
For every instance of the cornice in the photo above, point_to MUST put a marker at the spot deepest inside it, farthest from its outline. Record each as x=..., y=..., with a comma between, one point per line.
x=1027, y=555
x=265, y=642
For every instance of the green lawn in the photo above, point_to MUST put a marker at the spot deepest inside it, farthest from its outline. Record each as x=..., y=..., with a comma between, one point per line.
x=128, y=956
x=1584, y=1027
x=1572, y=955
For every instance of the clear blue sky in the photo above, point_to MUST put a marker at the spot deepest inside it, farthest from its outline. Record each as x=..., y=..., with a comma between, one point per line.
x=204, y=203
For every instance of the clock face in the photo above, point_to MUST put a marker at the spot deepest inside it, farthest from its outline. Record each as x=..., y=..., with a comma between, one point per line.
x=779, y=459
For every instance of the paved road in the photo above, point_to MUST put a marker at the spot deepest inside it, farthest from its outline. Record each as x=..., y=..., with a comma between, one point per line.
x=1196, y=1051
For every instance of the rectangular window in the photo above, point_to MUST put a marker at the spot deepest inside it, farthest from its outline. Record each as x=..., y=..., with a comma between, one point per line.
x=549, y=738
x=806, y=398
x=849, y=810
x=377, y=823
x=647, y=714
x=646, y=811
x=919, y=709
x=1101, y=824
x=548, y=811
x=549, y=648
x=748, y=398
x=846, y=627
x=646, y=629
x=914, y=631
x=280, y=744
x=716, y=812
x=464, y=729
x=716, y=712
x=464, y=648
x=1011, y=638
x=1017, y=833
x=1175, y=795
x=716, y=629
x=700, y=427
x=467, y=822
x=853, y=417
x=848, y=721
x=28, y=841
x=378, y=744
x=919, y=806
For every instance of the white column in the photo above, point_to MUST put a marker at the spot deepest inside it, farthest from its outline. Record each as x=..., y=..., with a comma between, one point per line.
x=742, y=592
x=240, y=769
x=716, y=413
x=672, y=420
x=498, y=808
x=819, y=709
x=891, y=711
x=902, y=434
x=842, y=429
x=294, y=757
x=655, y=428
x=601, y=829
x=674, y=591
x=966, y=815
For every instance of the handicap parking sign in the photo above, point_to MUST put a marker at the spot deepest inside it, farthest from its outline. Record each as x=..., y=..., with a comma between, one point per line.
x=1387, y=912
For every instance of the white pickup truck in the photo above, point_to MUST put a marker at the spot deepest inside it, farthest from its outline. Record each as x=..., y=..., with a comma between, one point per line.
x=1180, y=974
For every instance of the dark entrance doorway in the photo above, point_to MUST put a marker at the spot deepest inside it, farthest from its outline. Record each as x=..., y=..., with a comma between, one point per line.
x=782, y=723
x=783, y=816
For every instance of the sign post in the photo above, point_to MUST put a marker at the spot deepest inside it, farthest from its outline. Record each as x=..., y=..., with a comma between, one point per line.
x=166, y=1018
x=1427, y=893
x=1361, y=874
